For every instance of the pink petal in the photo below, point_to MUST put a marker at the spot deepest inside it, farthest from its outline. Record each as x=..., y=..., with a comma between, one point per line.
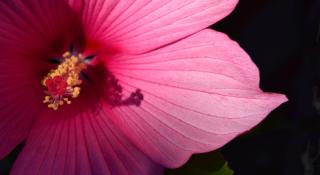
x=19, y=105
x=137, y=26
x=199, y=93
x=80, y=143
x=29, y=32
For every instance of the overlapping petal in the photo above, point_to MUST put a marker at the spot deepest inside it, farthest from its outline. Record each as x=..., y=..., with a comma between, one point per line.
x=28, y=30
x=84, y=143
x=199, y=93
x=137, y=26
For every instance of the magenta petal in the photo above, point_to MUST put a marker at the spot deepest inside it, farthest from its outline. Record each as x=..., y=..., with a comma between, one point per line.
x=199, y=93
x=94, y=14
x=31, y=27
x=20, y=100
x=85, y=143
x=29, y=32
x=141, y=25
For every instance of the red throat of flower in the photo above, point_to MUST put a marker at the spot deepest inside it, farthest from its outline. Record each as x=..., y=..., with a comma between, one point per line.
x=63, y=82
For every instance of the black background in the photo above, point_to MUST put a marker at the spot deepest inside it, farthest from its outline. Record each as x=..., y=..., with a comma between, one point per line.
x=282, y=37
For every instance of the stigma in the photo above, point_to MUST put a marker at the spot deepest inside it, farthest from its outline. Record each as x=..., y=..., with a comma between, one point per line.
x=63, y=83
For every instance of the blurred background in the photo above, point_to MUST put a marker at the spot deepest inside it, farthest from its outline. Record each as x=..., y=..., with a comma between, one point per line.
x=283, y=39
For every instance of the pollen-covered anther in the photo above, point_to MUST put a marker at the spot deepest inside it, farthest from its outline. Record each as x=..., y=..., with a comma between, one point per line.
x=63, y=82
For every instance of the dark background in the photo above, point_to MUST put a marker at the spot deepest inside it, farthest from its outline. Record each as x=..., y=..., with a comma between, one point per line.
x=283, y=39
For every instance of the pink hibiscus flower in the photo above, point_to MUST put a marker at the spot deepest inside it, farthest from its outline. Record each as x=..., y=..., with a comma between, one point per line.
x=143, y=86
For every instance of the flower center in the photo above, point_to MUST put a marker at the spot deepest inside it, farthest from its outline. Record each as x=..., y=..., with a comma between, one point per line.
x=63, y=82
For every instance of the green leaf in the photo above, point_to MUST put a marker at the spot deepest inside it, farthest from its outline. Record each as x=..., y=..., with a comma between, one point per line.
x=225, y=170
x=211, y=163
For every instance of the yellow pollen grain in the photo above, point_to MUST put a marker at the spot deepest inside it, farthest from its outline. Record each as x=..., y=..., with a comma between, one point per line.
x=67, y=100
x=76, y=92
x=46, y=99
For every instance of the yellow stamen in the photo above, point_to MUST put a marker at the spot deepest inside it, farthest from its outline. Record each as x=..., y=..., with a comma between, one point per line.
x=63, y=82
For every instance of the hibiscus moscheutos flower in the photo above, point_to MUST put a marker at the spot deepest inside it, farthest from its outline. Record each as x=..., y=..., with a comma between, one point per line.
x=121, y=87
